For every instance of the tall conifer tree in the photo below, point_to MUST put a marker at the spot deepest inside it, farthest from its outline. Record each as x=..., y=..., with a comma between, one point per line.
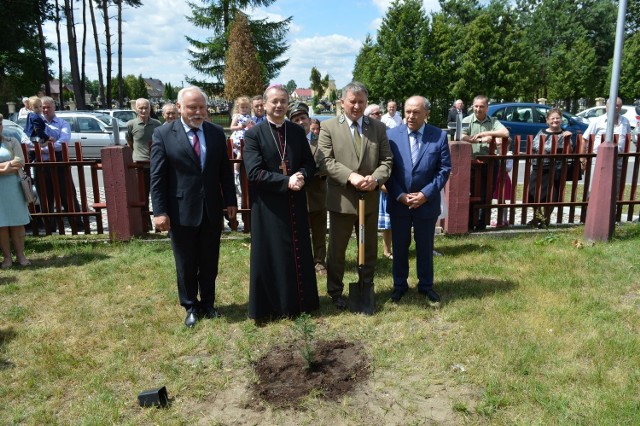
x=243, y=73
x=209, y=55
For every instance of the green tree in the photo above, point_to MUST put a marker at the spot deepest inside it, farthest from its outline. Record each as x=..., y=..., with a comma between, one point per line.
x=139, y=89
x=318, y=83
x=490, y=61
x=632, y=18
x=333, y=96
x=291, y=86
x=22, y=68
x=169, y=93
x=402, y=40
x=130, y=82
x=629, y=88
x=398, y=64
x=368, y=68
x=562, y=35
x=243, y=73
x=209, y=55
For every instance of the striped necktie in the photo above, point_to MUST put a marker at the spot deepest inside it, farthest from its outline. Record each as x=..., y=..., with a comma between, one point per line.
x=414, y=140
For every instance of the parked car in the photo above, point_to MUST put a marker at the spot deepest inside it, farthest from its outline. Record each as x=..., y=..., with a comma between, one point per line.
x=524, y=119
x=632, y=113
x=121, y=114
x=94, y=131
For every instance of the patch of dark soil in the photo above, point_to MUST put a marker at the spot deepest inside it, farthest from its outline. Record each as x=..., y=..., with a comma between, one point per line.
x=283, y=377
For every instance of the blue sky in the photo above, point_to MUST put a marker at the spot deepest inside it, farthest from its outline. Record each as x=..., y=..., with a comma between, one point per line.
x=327, y=34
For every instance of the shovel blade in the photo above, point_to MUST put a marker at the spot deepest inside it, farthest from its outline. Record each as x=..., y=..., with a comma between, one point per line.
x=362, y=297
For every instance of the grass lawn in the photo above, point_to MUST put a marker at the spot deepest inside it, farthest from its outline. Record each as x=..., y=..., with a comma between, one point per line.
x=536, y=328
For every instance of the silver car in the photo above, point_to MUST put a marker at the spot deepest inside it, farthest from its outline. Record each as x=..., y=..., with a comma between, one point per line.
x=121, y=114
x=94, y=131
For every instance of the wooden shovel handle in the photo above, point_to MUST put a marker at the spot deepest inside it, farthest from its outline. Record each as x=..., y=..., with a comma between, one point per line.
x=361, y=228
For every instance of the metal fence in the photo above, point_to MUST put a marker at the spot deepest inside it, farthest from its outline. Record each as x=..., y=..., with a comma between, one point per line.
x=515, y=193
x=522, y=194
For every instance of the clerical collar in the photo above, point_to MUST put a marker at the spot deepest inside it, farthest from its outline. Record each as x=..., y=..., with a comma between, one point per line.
x=276, y=125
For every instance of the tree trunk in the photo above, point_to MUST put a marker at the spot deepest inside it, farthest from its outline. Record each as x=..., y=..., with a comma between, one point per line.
x=59, y=53
x=73, y=55
x=107, y=34
x=98, y=55
x=120, y=82
x=83, y=75
x=43, y=56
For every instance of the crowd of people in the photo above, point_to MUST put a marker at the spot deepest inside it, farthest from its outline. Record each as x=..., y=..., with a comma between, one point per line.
x=299, y=170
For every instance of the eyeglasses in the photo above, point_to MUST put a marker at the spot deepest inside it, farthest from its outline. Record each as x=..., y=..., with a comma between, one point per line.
x=376, y=113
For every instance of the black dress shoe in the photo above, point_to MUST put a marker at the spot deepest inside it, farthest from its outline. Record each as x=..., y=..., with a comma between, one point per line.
x=431, y=295
x=191, y=319
x=340, y=302
x=397, y=294
x=211, y=313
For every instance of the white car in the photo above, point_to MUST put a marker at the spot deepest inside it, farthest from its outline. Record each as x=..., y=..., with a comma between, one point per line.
x=632, y=113
x=94, y=131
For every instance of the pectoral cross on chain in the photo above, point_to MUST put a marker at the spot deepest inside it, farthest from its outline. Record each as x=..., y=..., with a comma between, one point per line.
x=283, y=167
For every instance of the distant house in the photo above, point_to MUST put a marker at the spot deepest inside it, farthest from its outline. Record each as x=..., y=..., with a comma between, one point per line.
x=305, y=95
x=155, y=88
x=55, y=90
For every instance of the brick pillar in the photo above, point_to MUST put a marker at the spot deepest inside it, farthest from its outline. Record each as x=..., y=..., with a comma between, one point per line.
x=121, y=193
x=601, y=211
x=457, y=189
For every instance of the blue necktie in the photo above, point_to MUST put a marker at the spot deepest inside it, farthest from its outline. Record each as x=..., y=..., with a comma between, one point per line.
x=415, y=146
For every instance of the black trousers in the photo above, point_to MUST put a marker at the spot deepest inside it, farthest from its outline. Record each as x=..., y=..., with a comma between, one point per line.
x=196, y=250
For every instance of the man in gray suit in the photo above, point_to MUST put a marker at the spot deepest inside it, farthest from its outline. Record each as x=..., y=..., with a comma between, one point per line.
x=191, y=182
x=354, y=153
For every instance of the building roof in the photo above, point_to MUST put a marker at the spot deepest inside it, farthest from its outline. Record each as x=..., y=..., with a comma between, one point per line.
x=303, y=93
x=155, y=87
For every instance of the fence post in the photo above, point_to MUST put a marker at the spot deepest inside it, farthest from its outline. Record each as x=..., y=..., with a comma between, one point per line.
x=457, y=189
x=121, y=192
x=601, y=209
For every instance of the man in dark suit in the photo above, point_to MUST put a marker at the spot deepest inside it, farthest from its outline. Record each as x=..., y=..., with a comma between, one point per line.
x=191, y=182
x=353, y=151
x=457, y=110
x=421, y=167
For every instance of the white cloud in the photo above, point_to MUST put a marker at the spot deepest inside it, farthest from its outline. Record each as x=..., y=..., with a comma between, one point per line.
x=382, y=5
x=333, y=54
x=374, y=26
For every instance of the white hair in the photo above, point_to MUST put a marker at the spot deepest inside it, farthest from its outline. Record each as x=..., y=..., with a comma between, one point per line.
x=369, y=109
x=192, y=89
